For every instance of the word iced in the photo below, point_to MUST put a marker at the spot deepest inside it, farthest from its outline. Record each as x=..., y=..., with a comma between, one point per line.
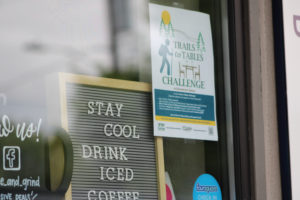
x=116, y=173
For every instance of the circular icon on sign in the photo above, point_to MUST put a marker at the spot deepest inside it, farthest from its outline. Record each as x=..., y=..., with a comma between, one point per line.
x=207, y=188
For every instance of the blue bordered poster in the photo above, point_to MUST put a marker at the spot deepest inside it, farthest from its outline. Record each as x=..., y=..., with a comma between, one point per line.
x=182, y=74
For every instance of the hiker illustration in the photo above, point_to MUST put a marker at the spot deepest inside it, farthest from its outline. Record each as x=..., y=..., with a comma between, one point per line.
x=164, y=51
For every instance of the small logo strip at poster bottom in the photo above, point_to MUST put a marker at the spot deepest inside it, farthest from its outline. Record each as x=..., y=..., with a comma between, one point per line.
x=183, y=120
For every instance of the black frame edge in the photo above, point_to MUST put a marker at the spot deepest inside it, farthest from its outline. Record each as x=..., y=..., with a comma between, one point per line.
x=281, y=95
x=240, y=66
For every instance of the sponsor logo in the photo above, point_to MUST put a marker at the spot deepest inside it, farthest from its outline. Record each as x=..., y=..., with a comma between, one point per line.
x=161, y=127
x=210, y=130
x=206, y=188
x=186, y=128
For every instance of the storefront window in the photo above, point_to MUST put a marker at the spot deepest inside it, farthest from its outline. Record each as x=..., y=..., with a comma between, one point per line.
x=40, y=40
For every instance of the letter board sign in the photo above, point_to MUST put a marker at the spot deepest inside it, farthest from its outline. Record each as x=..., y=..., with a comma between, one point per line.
x=110, y=124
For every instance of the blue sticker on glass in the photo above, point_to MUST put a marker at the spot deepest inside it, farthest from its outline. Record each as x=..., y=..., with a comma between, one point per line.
x=207, y=188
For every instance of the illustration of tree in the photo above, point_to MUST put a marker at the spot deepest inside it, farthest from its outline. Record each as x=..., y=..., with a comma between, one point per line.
x=200, y=43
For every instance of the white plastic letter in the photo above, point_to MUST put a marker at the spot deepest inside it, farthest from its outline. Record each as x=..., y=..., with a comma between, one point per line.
x=120, y=129
x=122, y=151
x=107, y=175
x=109, y=109
x=105, y=129
x=120, y=195
x=84, y=147
x=127, y=195
x=120, y=174
x=129, y=131
x=97, y=150
x=101, y=173
x=99, y=104
x=105, y=195
x=112, y=195
x=135, y=195
x=136, y=136
x=89, y=194
x=119, y=107
x=129, y=174
x=91, y=109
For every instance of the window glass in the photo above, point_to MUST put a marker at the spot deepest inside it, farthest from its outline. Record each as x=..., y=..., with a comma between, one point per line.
x=100, y=38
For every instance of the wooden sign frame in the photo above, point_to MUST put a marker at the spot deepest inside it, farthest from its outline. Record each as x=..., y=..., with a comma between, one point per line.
x=113, y=84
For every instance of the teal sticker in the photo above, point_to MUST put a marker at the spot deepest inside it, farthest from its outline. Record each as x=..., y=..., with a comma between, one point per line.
x=207, y=188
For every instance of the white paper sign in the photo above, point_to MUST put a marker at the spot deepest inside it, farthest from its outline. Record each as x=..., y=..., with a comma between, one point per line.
x=291, y=15
x=182, y=74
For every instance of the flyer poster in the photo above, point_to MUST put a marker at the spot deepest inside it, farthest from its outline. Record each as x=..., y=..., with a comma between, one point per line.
x=182, y=74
